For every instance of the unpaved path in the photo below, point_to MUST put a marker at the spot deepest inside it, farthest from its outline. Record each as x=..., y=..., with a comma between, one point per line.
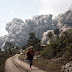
x=13, y=64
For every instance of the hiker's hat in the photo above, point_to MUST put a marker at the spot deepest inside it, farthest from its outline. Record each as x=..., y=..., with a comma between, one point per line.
x=31, y=47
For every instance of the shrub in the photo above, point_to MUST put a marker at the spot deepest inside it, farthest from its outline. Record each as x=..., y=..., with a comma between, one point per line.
x=48, y=52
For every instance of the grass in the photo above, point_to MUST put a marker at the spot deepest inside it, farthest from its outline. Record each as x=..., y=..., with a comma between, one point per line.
x=47, y=65
x=2, y=62
x=3, y=57
x=44, y=64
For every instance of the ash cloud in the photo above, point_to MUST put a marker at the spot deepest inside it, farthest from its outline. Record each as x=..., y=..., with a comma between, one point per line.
x=64, y=19
x=45, y=37
x=70, y=7
x=18, y=30
x=63, y=22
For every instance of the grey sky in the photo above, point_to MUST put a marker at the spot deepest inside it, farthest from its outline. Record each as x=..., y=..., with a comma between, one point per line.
x=26, y=9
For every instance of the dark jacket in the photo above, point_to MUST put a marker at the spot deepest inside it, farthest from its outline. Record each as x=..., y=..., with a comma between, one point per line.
x=30, y=55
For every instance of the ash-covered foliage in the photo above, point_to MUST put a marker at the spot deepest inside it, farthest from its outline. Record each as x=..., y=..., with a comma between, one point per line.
x=59, y=47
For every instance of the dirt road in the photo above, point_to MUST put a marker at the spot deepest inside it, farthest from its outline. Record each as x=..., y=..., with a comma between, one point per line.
x=13, y=64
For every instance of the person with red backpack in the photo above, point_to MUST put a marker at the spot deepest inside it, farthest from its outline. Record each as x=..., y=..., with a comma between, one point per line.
x=30, y=54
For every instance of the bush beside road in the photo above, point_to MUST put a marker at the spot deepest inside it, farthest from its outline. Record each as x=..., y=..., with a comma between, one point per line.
x=47, y=65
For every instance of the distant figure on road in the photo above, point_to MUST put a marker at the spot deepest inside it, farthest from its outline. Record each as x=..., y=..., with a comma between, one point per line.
x=30, y=54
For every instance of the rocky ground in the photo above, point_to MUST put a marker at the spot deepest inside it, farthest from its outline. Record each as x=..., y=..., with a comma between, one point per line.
x=67, y=67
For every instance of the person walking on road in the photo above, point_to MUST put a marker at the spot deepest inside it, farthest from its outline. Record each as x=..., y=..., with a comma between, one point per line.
x=30, y=54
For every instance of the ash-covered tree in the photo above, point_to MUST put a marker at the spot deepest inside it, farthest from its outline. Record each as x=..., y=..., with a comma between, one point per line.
x=50, y=35
x=24, y=47
x=0, y=49
x=56, y=32
x=33, y=41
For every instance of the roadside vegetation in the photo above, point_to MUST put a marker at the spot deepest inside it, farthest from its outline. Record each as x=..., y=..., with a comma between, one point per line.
x=10, y=50
x=59, y=47
x=55, y=54
x=50, y=57
x=3, y=57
